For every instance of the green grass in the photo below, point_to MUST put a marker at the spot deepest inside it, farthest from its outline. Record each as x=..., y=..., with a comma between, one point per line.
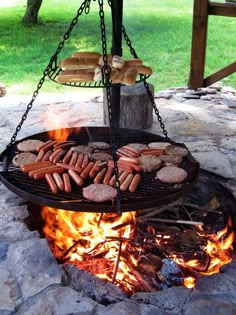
x=160, y=32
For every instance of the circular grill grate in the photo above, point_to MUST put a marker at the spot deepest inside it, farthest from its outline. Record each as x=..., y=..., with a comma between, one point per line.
x=150, y=193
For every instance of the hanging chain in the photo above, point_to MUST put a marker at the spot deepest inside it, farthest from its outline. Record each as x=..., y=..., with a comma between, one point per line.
x=84, y=6
x=106, y=71
x=155, y=108
x=128, y=43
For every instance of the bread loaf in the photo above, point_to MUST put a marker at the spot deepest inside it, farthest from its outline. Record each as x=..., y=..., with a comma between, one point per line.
x=78, y=63
x=117, y=75
x=144, y=70
x=130, y=76
x=117, y=62
x=87, y=54
x=109, y=60
x=133, y=62
x=97, y=73
x=83, y=75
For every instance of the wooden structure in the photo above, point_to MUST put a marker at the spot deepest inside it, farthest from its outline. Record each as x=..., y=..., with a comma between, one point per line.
x=201, y=10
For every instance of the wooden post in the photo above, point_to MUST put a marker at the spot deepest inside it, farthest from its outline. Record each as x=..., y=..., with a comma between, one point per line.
x=136, y=111
x=199, y=42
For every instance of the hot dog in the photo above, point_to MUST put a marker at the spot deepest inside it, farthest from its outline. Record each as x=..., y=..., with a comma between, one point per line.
x=99, y=177
x=121, y=166
x=75, y=176
x=51, y=183
x=108, y=175
x=131, y=149
x=152, y=152
x=59, y=182
x=54, y=154
x=73, y=158
x=133, y=166
x=67, y=157
x=129, y=159
x=94, y=169
x=69, y=167
x=34, y=166
x=126, y=182
x=101, y=165
x=46, y=146
x=85, y=160
x=122, y=152
x=85, y=173
x=58, y=156
x=40, y=169
x=47, y=156
x=67, y=183
x=113, y=179
x=79, y=160
x=40, y=156
x=123, y=176
x=134, y=183
x=41, y=173
x=64, y=144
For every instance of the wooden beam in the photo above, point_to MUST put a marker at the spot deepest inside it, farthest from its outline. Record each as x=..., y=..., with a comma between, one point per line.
x=222, y=9
x=199, y=43
x=220, y=74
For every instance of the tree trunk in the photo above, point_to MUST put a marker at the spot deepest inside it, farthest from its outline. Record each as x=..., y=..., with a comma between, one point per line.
x=136, y=111
x=31, y=13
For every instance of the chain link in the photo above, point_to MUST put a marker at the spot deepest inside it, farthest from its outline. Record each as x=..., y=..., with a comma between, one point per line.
x=155, y=108
x=106, y=70
x=84, y=6
x=128, y=42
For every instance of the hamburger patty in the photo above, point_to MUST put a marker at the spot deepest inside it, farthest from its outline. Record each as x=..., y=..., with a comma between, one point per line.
x=29, y=145
x=23, y=158
x=149, y=163
x=99, y=192
x=171, y=174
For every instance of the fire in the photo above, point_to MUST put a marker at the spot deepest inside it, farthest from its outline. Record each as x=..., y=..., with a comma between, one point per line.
x=106, y=245
x=218, y=250
x=91, y=241
x=55, y=121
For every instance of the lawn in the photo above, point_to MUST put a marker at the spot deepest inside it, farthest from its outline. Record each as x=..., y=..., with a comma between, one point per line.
x=160, y=32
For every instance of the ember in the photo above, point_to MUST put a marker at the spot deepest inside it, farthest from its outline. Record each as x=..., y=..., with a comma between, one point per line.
x=132, y=253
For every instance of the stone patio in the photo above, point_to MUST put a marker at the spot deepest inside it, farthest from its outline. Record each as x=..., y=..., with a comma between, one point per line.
x=32, y=282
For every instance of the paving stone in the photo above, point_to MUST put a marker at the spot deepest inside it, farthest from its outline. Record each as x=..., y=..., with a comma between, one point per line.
x=32, y=262
x=58, y=300
x=169, y=300
x=206, y=307
x=215, y=162
x=9, y=294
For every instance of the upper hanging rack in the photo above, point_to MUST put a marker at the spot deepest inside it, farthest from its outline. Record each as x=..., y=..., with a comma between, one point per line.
x=94, y=69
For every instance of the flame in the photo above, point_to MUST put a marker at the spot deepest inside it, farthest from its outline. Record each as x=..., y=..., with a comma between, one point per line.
x=91, y=241
x=95, y=242
x=55, y=122
x=218, y=249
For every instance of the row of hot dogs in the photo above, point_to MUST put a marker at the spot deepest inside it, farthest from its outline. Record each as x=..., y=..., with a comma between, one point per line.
x=61, y=167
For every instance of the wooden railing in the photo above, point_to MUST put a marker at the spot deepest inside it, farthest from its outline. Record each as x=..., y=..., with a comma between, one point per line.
x=201, y=10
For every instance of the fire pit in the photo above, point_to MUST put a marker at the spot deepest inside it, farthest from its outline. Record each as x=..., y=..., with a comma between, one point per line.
x=166, y=246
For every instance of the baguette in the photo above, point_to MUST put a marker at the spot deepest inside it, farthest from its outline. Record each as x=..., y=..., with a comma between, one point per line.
x=133, y=62
x=109, y=60
x=87, y=54
x=78, y=63
x=82, y=75
x=144, y=70
x=130, y=76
